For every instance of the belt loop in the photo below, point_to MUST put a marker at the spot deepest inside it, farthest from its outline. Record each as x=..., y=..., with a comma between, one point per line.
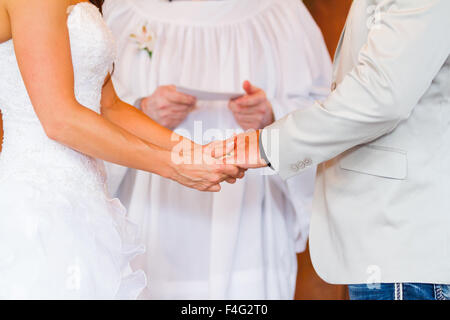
x=398, y=291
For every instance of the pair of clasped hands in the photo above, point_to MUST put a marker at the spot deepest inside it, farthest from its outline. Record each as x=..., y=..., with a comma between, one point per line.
x=205, y=167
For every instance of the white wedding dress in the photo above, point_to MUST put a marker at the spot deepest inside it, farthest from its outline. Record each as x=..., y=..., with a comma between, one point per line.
x=61, y=236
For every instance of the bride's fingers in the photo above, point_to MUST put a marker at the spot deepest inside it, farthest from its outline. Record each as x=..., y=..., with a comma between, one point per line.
x=229, y=171
x=213, y=149
x=242, y=172
x=231, y=180
x=230, y=145
x=215, y=188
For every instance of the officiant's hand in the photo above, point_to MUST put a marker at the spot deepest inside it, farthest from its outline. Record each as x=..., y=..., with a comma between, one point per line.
x=254, y=110
x=167, y=106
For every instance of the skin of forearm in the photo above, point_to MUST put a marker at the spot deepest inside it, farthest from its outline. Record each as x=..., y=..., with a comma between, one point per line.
x=140, y=125
x=88, y=132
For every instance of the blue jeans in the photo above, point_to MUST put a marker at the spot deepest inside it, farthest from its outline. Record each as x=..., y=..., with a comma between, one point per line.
x=399, y=291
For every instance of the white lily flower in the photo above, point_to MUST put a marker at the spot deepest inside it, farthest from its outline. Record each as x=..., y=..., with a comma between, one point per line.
x=145, y=39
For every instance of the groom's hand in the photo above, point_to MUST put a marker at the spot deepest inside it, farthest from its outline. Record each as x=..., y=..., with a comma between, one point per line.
x=241, y=150
x=168, y=107
x=247, y=153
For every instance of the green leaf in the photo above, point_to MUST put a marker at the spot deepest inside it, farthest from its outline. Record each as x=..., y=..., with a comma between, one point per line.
x=150, y=53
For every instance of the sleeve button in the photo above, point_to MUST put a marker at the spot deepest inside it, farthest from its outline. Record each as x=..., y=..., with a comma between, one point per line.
x=301, y=165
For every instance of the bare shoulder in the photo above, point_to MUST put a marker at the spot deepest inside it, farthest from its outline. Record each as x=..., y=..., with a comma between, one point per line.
x=48, y=4
x=35, y=7
x=36, y=17
x=5, y=27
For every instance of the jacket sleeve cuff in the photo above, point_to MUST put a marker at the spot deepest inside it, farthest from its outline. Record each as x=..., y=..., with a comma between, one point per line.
x=262, y=153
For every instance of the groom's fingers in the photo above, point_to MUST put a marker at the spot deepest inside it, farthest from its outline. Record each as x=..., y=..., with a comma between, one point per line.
x=230, y=145
x=247, y=150
x=215, y=188
x=220, y=149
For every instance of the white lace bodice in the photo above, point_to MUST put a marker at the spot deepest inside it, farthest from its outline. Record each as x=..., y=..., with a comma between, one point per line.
x=27, y=152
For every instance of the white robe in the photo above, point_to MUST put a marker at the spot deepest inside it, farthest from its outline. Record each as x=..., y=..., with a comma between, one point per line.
x=240, y=243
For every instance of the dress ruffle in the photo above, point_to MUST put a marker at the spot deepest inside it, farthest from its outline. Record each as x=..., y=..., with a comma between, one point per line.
x=61, y=236
x=56, y=244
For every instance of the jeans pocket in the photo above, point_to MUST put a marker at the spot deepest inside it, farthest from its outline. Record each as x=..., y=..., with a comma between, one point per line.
x=442, y=292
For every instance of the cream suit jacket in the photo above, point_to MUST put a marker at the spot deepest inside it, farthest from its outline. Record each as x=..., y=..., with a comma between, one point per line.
x=382, y=142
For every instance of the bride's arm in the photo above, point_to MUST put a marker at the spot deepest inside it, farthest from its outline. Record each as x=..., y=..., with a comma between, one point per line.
x=42, y=46
x=134, y=120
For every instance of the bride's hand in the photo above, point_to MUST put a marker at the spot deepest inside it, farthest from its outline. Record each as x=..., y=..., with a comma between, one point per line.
x=197, y=168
